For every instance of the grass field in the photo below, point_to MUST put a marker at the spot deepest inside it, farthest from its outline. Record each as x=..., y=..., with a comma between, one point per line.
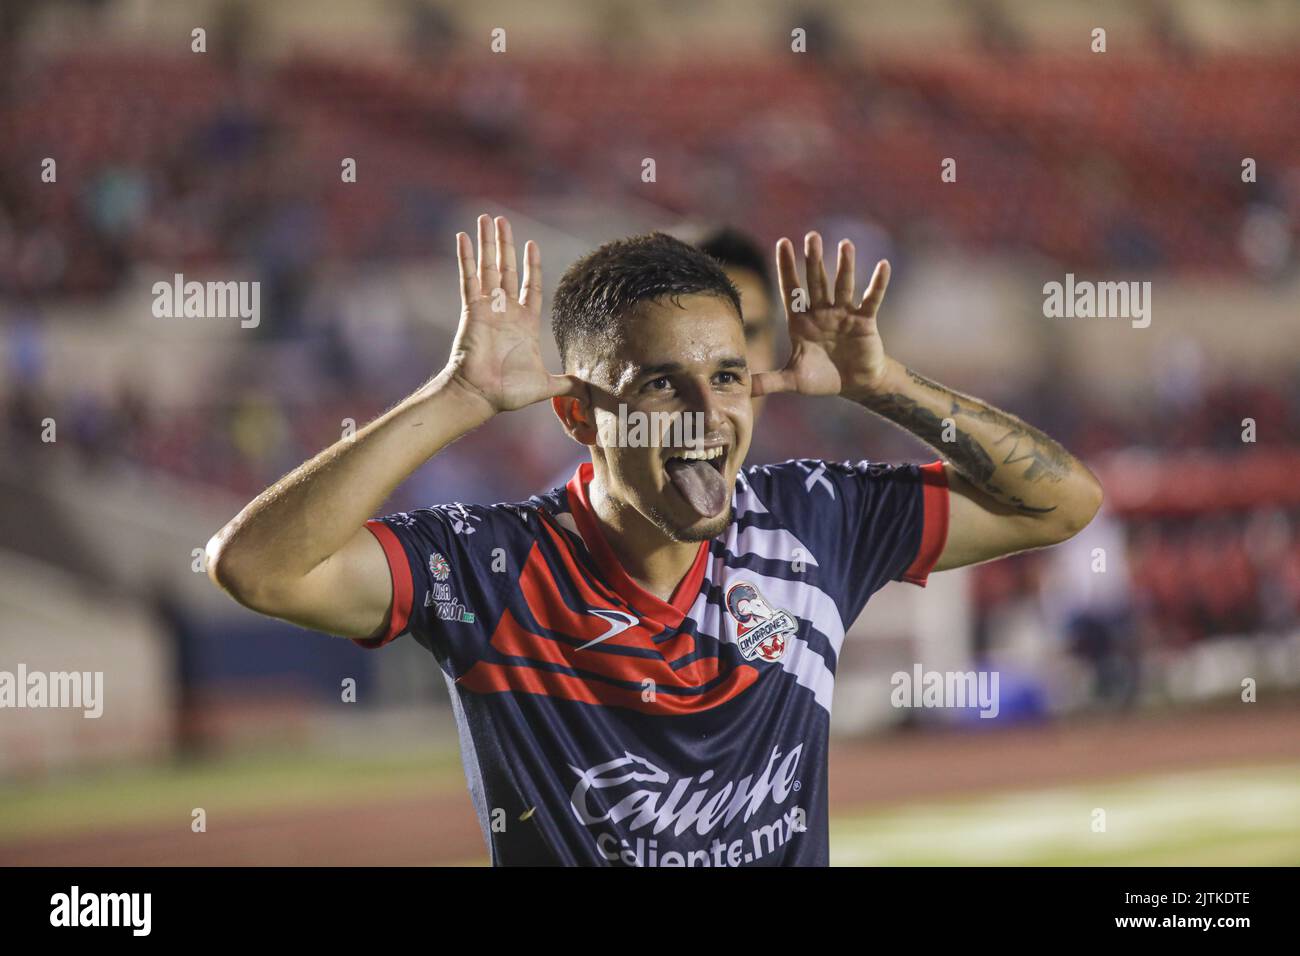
x=1223, y=816
x=1227, y=817
x=225, y=788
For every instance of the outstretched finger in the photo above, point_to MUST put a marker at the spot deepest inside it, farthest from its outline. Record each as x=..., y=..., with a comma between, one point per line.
x=469, y=288
x=815, y=269
x=531, y=297
x=506, y=257
x=875, y=293
x=787, y=273
x=488, y=277
x=844, y=275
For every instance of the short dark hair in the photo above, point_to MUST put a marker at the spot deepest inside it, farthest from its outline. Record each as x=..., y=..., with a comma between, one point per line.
x=735, y=250
x=604, y=287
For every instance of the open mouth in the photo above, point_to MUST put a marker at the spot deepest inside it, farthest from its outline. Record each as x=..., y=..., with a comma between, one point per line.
x=715, y=456
x=698, y=476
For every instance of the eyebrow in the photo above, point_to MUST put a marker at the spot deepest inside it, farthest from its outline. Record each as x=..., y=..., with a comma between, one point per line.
x=674, y=368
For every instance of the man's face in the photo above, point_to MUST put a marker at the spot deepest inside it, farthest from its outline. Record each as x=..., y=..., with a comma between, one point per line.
x=684, y=362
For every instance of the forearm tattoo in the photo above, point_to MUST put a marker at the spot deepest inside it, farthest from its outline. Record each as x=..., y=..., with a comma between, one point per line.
x=1017, y=443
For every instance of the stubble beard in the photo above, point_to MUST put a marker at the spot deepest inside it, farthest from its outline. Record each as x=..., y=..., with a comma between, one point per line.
x=697, y=532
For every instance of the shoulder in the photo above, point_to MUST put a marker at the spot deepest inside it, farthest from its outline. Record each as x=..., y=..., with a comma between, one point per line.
x=466, y=520
x=804, y=475
x=800, y=491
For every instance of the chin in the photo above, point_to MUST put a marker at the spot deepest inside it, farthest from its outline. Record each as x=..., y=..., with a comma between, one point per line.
x=708, y=529
x=702, y=529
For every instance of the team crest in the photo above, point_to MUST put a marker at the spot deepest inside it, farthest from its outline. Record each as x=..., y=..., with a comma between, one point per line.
x=438, y=566
x=762, y=631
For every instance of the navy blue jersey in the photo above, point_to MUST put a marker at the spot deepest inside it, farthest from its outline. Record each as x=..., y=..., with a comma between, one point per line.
x=602, y=725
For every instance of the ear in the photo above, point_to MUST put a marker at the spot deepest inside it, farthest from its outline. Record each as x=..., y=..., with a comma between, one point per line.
x=576, y=416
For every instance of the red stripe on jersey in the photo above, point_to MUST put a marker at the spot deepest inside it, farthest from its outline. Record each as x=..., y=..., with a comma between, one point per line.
x=934, y=522
x=549, y=609
x=399, y=570
x=662, y=616
x=486, y=678
x=514, y=640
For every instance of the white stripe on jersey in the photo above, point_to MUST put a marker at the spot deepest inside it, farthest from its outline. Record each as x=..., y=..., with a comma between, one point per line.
x=808, y=668
x=760, y=542
x=773, y=544
x=744, y=501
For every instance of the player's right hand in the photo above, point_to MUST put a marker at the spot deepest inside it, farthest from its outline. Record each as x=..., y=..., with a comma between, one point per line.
x=497, y=352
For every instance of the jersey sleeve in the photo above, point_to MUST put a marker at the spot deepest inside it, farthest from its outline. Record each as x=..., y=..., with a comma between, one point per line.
x=867, y=523
x=444, y=586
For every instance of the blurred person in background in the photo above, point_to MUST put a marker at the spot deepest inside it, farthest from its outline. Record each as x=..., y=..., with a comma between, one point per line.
x=747, y=267
x=1085, y=596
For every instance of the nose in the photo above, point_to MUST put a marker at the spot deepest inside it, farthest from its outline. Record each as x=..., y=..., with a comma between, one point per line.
x=699, y=398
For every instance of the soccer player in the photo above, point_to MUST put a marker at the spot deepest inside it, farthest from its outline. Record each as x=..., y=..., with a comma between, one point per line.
x=641, y=663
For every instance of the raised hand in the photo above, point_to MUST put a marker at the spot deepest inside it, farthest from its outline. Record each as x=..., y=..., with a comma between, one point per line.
x=497, y=352
x=836, y=348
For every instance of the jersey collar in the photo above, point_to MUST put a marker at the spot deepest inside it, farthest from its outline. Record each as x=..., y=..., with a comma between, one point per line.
x=672, y=611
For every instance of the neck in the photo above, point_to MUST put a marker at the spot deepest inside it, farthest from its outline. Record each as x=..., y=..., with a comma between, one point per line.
x=653, y=560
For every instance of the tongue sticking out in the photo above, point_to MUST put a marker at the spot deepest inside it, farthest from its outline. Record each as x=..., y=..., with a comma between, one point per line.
x=700, y=484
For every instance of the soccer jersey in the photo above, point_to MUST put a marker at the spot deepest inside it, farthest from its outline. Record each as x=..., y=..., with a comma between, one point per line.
x=602, y=725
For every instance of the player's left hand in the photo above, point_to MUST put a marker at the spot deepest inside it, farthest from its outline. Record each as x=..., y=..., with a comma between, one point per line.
x=836, y=348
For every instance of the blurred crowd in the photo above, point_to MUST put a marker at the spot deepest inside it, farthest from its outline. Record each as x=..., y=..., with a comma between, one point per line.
x=278, y=408
x=181, y=163
x=192, y=160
